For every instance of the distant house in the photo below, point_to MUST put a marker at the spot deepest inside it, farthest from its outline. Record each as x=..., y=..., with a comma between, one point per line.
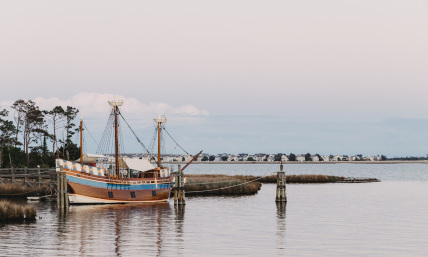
x=242, y=156
x=250, y=158
x=300, y=158
x=232, y=158
x=260, y=157
x=188, y=158
x=368, y=158
x=315, y=158
x=336, y=158
x=284, y=158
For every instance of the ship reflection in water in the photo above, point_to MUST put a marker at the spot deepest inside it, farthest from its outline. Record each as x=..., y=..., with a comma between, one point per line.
x=118, y=229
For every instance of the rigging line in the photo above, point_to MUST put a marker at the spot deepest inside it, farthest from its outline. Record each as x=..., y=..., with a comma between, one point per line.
x=175, y=141
x=209, y=190
x=215, y=182
x=84, y=125
x=102, y=146
x=139, y=141
x=223, y=181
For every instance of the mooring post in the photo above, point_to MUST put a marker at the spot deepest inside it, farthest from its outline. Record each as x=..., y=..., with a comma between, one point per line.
x=183, y=191
x=176, y=184
x=62, y=195
x=39, y=177
x=281, y=194
x=64, y=181
x=182, y=195
x=58, y=187
x=61, y=188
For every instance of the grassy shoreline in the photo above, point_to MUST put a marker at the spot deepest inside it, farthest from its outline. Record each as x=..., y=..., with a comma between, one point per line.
x=204, y=185
x=14, y=212
x=19, y=190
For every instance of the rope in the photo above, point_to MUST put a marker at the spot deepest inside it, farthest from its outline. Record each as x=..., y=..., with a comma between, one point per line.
x=176, y=142
x=209, y=190
x=139, y=141
x=84, y=125
x=216, y=182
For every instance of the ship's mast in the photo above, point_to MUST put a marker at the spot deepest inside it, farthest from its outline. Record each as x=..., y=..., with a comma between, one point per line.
x=115, y=104
x=159, y=120
x=81, y=140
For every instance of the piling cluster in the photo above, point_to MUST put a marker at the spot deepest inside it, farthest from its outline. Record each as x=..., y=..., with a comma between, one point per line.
x=62, y=195
x=179, y=190
x=281, y=194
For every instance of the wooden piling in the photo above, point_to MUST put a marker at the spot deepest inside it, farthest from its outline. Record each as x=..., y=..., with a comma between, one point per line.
x=281, y=194
x=64, y=181
x=182, y=195
x=58, y=187
x=179, y=193
x=62, y=195
x=176, y=185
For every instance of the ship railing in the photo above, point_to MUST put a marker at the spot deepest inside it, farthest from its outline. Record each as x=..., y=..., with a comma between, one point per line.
x=125, y=181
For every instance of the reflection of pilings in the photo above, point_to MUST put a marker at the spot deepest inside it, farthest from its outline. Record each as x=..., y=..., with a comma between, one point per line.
x=281, y=226
x=179, y=192
x=281, y=209
x=179, y=231
x=179, y=212
x=62, y=195
x=281, y=194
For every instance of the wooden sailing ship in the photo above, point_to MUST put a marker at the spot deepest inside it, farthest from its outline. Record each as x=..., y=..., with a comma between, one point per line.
x=91, y=183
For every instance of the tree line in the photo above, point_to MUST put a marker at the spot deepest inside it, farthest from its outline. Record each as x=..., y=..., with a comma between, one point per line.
x=29, y=135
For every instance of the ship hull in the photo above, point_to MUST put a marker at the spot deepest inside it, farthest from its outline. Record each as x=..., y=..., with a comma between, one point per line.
x=125, y=194
x=83, y=199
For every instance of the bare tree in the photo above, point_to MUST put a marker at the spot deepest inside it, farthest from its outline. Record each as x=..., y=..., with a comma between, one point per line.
x=70, y=115
x=31, y=120
x=55, y=117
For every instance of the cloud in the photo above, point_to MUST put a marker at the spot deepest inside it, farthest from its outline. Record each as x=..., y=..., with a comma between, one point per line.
x=93, y=105
x=94, y=108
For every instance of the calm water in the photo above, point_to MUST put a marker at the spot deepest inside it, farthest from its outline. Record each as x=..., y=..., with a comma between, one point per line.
x=376, y=219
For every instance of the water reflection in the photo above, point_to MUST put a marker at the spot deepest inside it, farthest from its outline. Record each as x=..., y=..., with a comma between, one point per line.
x=179, y=223
x=281, y=211
x=116, y=228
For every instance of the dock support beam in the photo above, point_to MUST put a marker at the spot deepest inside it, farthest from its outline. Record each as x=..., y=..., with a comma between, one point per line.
x=62, y=195
x=179, y=192
x=281, y=193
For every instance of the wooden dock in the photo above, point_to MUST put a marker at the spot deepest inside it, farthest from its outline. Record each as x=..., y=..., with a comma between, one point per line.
x=30, y=177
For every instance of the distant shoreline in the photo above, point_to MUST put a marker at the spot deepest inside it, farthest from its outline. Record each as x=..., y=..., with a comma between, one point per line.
x=298, y=162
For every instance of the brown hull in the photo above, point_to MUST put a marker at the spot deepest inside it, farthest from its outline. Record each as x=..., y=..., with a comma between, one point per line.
x=110, y=195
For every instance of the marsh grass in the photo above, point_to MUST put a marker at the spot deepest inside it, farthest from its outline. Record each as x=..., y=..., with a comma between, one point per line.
x=307, y=178
x=19, y=190
x=11, y=211
x=221, y=185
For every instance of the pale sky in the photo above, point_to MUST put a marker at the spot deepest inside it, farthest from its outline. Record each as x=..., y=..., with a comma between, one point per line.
x=327, y=77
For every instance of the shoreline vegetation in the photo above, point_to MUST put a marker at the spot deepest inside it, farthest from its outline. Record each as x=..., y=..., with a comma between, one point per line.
x=19, y=190
x=218, y=185
x=14, y=212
